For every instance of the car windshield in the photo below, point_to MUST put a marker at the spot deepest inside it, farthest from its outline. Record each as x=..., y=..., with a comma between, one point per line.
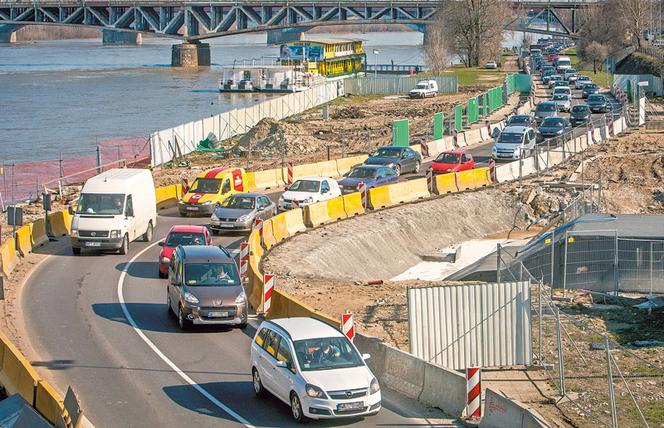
x=327, y=353
x=239, y=202
x=553, y=122
x=590, y=86
x=510, y=138
x=387, y=153
x=422, y=85
x=210, y=275
x=546, y=107
x=184, y=238
x=584, y=78
x=363, y=173
x=580, y=109
x=101, y=203
x=305, y=186
x=448, y=158
x=205, y=185
x=596, y=98
x=560, y=97
x=519, y=120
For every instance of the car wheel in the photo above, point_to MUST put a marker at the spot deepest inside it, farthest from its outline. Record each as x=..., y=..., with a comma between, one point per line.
x=76, y=251
x=397, y=170
x=169, y=308
x=147, y=236
x=418, y=164
x=258, y=384
x=162, y=274
x=124, y=249
x=296, y=408
x=182, y=321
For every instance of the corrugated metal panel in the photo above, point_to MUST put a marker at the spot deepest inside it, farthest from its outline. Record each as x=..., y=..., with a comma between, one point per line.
x=655, y=86
x=395, y=85
x=466, y=325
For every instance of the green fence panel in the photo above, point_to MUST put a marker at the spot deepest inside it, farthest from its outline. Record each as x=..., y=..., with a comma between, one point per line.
x=458, y=118
x=400, y=133
x=510, y=80
x=523, y=83
x=438, y=126
x=473, y=111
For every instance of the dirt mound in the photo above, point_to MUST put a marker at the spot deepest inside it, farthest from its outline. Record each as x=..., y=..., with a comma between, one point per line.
x=349, y=112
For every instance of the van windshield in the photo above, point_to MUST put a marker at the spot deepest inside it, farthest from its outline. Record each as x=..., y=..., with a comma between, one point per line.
x=210, y=275
x=327, y=353
x=205, y=185
x=101, y=203
x=510, y=138
x=422, y=85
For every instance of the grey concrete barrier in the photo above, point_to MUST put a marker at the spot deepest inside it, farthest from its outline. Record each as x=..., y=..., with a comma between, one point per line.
x=502, y=412
x=413, y=377
x=474, y=136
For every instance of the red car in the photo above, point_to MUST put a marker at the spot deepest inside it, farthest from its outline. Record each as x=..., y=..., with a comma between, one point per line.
x=452, y=161
x=552, y=57
x=181, y=235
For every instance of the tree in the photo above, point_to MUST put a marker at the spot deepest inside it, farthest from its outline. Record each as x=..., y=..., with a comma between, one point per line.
x=474, y=28
x=635, y=14
x=597, y=53
x=436, y=45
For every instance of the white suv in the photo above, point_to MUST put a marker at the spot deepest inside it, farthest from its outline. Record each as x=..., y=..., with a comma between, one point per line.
x=308, y=190
x=314, y=368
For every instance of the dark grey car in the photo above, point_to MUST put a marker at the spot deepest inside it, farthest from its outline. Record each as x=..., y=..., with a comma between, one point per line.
x=400, y=159
x=238, y=212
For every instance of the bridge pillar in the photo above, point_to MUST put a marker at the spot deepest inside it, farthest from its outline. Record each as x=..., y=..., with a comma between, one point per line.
x=285, y=35
x=190, y=55
x=8, y=33
x=113, y=37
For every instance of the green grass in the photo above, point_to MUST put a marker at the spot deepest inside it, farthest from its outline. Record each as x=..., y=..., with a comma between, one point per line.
x=476, y=75
x=602, y=78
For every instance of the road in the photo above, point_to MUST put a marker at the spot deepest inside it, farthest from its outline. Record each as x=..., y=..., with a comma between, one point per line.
x=130, y=364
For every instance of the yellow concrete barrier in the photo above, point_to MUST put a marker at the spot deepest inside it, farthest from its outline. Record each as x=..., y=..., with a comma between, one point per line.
x=48, y=402
x=353, y=204
x=295, y=221
x=251, y=182
x=418, y=188
x=306, y=170
x=444, y=183
x=417, y=148
x=58, y=221
x=379, y=197
x=166, y=194
x=39, y=233
x=8, y=257
x=16, y=374
x=328, y=169
x=255, y=247
x=316, y=214
x=279, y=229
x=400, y=192
x=472, y=178
x=335, y=209
x=284, y=305
x=254, y=287
x=268, y=235
x=268, y=179
x=346, y=164
x=24, y=239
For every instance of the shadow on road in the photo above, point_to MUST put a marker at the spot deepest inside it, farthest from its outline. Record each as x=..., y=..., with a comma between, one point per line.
x=144, y=270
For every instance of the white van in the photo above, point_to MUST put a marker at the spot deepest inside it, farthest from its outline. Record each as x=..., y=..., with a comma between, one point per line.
x=563, y=63
x=424, y=89
x=115, y=208
x=308, y=190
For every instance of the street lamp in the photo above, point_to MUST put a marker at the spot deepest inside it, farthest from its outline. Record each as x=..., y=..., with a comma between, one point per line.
x=376, y=52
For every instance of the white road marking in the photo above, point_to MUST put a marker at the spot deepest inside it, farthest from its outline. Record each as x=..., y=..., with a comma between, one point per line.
x=161, y=355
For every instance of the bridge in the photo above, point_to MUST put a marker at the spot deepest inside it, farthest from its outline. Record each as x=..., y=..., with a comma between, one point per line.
x=195, y=21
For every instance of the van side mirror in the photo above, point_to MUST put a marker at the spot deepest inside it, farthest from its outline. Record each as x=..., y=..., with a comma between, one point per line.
x=282, y=364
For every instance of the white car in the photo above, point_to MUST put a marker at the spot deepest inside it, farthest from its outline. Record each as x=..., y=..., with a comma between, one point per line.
x=314, y=368
x=491, y=65
x=562, y=90
x=308, y=190
x=563, y=102
x=424, y=89
x=581, y=81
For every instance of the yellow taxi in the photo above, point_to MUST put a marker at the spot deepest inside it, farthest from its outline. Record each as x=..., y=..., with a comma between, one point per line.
x=210, y=189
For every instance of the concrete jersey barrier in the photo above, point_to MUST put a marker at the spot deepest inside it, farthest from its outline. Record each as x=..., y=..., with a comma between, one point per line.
x=501, y=411
x=8, y=257
x=24, y=239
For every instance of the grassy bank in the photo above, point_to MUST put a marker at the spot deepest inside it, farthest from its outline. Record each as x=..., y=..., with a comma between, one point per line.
x=473, y=76
x=602, y=78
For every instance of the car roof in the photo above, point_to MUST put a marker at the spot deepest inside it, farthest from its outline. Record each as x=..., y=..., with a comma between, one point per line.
x=302, y=328
x=515, y=129
x=369, y=166
x=392, y=147
x=245, y=195
x=312, y=178
x=187, y=228
x=205, y=253
x=454, y=152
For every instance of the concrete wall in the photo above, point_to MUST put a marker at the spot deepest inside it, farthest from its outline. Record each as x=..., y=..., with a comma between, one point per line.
x=501, y=411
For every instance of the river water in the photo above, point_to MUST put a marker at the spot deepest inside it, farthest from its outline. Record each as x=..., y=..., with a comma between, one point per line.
x=63, y=97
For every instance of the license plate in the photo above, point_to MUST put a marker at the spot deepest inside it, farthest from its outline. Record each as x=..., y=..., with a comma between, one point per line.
x=192, y=208
x=227, y=224
x=350, y=406
x=217, y=314
x=93, y=244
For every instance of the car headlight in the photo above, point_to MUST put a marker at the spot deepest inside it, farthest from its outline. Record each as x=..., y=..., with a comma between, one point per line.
x=74, y=233
x=243, y=218
x=314, y=391
x=164, y=260
x=115, y=233
x=241, y=298
x=190, y=298
x=181, y=202
x=374, y=387
x=390, y=165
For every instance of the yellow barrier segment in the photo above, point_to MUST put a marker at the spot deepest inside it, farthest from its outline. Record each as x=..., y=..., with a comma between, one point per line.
x=255, y=244
x=306, y=170
x=251, y=182
x=24, y=239
x=295, y=221
x=418, y=188
x=378, y=197
x=48, y=402
x=166, y=194
x=268, y=235
x=316, y=214
x=8, y=257
x=268, y=178
x=279, y=229
x=466, y=180
x=335, y=209
x=57, y=222
x=284, y=305
x=483, y=176
x=444, y=183
x=39, y=233
x=353, y=204
x=16, y=373
x=346, y=164
x=399, y=192
x=254, y=287
x=328, y=168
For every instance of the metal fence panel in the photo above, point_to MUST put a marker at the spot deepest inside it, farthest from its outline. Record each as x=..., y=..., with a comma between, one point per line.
x=473, y=111
x=458, y=118
x=395, y=85
x=476, y=324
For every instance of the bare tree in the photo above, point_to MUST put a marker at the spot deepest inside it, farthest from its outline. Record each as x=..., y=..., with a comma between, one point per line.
x=436, y=45
x=526, y=41
x=475, y=27
x=597, y=53
x=635, y=15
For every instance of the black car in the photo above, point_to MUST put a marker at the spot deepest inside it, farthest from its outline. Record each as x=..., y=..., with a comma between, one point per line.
x=598, y=103
x=553, y=127
x=400, y=159
x=589, y=89
x=580, y=115
x=521, y=120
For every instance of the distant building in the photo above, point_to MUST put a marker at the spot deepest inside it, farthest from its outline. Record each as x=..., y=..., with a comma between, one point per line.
x=327, y=57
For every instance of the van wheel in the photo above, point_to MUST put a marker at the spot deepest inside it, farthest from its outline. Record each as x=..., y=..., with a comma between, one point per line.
x=182, y=321
x=76, y=251
x=296, y=408
x=124, y=249
x=147, y=236
x=258, y=384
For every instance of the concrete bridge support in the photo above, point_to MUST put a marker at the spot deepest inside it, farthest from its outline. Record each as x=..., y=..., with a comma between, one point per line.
x=113, y=37
x=8, y=33
x=285, y=35
x=190, y=55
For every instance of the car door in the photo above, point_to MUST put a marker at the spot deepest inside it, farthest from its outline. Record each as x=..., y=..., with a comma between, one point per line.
x=284, y=377
x=267, y=360
x=325, y=190
x=390, y=176
x=174, y=281
x=130, y=218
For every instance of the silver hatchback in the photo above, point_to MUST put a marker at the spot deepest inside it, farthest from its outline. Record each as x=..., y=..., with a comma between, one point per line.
x=238, y=212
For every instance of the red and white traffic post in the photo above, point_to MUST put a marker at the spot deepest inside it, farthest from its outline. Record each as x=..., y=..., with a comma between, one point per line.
x=474, y=391
x=362, y=188
x=268, y=288
x=425, y=150
x=244, y=258
x=289, y=167
x=430, y=180
x=258, y=225
x=348, y=325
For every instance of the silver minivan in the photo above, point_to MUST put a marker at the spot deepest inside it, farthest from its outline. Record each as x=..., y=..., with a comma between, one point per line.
x=515, y=142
